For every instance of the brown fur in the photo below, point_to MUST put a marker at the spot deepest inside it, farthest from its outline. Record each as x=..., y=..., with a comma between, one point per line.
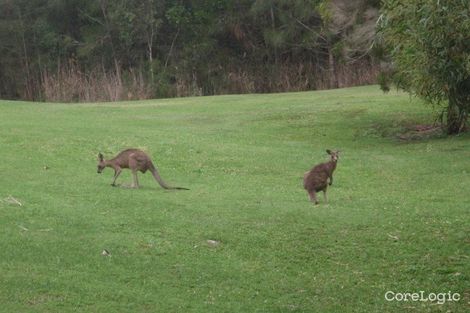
x=135, y=160
x=316, y=179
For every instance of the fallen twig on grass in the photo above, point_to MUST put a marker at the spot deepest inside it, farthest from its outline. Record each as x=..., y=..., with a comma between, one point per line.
x=46, y=230
x=12, y=200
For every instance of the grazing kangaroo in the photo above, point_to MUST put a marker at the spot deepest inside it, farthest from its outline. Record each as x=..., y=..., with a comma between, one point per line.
x=316, y=179
x=135, y=160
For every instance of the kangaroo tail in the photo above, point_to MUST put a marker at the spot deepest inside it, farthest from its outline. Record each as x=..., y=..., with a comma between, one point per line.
x=160, y=181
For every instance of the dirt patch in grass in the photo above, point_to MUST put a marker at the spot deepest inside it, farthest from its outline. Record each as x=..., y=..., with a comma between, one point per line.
x=403, y=130
x=420, y=132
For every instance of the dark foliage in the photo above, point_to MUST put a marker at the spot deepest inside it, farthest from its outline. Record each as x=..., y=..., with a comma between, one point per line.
x=79, y=50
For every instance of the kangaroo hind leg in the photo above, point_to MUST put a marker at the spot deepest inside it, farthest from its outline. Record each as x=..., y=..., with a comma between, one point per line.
x=313, y=197
x=134, y=167
x=135, y=179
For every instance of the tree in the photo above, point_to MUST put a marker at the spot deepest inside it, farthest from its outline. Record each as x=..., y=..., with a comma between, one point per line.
x=428, y=45
x=72, y=50
x=348, y=31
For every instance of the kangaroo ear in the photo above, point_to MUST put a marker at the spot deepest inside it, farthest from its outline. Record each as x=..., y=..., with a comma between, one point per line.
x=100, y=156
x=328, y=151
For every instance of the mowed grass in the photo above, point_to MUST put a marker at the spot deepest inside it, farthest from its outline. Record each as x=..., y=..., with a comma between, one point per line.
x=397, y=219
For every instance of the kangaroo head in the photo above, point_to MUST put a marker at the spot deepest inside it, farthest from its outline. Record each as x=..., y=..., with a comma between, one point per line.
x=101, y=164
x=334, y=155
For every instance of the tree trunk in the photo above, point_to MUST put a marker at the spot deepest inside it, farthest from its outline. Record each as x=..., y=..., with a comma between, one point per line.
x=332, y=68
x=171, y=48
x=118, y=90
x=150, y=37
x=456, y=114
x=273, y=27
x=26, y=65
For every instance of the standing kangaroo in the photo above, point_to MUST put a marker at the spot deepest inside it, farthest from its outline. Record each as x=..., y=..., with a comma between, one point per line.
x=316, y=179
x=135, y=160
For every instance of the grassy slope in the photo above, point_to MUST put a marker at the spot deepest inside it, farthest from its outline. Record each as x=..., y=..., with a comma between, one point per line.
x=398, y=217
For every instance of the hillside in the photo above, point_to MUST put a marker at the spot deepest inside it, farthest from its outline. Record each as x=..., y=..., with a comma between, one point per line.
x=245, y=237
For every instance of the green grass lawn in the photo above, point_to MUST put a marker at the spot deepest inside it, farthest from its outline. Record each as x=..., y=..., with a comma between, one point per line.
x=398, y=217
